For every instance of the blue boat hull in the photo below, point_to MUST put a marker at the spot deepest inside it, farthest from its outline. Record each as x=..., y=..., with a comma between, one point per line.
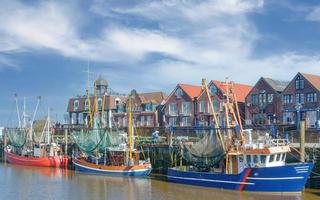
x=86, y=169
x=285, y=179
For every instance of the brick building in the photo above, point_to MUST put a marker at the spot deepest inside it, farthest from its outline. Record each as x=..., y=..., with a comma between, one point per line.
x=300, y=100
x=78, y=107
x=179, y=108
x=145, y=108
x=218, y=91
x=263, y=103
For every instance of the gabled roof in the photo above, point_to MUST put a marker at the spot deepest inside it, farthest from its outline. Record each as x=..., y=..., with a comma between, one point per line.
x=277, y=85
x=313, y=79
x=193, y=91
x=241, y=90
x=154, y=97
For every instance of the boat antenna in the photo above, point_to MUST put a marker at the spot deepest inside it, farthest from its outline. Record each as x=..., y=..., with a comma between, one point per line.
x=17, y=107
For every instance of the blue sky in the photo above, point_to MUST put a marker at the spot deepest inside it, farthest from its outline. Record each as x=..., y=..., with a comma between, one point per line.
x=149, y=45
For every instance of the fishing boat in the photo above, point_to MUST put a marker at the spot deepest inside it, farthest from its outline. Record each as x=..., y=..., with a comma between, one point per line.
x=105, y=151
x=26, y=150
x=238, y=162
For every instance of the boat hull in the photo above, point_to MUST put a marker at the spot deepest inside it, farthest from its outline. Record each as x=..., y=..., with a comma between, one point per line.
x=285, y=179
x=51, y=161
x=136, y=170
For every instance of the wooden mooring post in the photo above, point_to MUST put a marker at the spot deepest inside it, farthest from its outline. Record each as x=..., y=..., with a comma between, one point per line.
x=302, y=140
x=4, y=145
x=66, y=142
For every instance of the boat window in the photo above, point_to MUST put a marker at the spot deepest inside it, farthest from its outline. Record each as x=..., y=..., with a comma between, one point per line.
x=248, y=158
x=275, y=157
x=271, y=158
x=263, y=158
x=255, y=158
x=284, y=157
x=241, y=158
x=279, y=157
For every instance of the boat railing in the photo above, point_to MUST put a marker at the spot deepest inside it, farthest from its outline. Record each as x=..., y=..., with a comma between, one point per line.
x=279, y=142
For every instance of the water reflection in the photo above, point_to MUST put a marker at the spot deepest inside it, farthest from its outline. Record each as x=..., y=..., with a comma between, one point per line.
x=19, y=182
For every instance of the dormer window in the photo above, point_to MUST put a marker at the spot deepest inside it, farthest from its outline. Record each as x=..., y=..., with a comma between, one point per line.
x=76, y=105
x=179, y=93
x=299, y=83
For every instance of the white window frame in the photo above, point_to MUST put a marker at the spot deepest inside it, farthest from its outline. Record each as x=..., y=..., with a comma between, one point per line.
x=76, y=105
x=186, y=108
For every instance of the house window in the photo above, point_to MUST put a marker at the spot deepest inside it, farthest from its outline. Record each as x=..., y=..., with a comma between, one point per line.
x=76, y=105
x=86, y=104
x=300, y=98
x=270, y=98
x=172, y=121
x=179, y=93
x=254, y=99
x=299, y=83
x=142, y=120
x=99, y=103
x=185, y=121
x=213, y=89
x=172, y=109
x=216, y=106
x=262, y=98
x=311, y=97
x=185, y=108
x=287, y=99
x=201, y=106
x=148, y=107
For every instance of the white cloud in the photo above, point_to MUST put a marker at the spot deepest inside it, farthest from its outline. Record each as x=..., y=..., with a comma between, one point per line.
x=195, y=39
x=314, y=14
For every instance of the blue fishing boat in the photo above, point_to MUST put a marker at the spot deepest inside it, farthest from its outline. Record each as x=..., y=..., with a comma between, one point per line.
x=233, y=160
x=258, y=170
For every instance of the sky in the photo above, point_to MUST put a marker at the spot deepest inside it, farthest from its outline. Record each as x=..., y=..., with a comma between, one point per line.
x=148, y=45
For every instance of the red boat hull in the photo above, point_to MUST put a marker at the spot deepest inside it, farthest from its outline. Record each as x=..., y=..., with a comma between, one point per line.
x=51, y=161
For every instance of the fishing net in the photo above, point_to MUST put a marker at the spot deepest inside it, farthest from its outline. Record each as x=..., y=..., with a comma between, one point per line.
x=17, y=137
x=91, y=140
x=207, y=152
x=95, y=139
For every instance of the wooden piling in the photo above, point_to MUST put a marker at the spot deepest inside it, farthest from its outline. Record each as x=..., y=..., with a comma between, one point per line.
x=302, y=140
x=66, y=142
x=4, y=144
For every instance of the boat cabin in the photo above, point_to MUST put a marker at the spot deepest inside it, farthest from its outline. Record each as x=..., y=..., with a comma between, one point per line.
x=257, y=156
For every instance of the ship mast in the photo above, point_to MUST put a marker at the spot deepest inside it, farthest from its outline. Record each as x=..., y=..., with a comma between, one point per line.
x=130, y=131
x=216, y=122
x=48, y=126
x=24, y=113
x=34, y=116
x=18, y=112
x=90, y=123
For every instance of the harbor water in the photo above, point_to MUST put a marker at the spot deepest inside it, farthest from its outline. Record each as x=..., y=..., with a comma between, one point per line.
x=21, y=182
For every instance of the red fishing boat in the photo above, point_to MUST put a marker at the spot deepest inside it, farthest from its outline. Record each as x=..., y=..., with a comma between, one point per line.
x=50, y=161
x=28, y=148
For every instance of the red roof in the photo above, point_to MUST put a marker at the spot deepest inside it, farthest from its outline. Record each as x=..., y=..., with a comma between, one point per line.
x=240, y=90
x=313, y=79
x=192, y=91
